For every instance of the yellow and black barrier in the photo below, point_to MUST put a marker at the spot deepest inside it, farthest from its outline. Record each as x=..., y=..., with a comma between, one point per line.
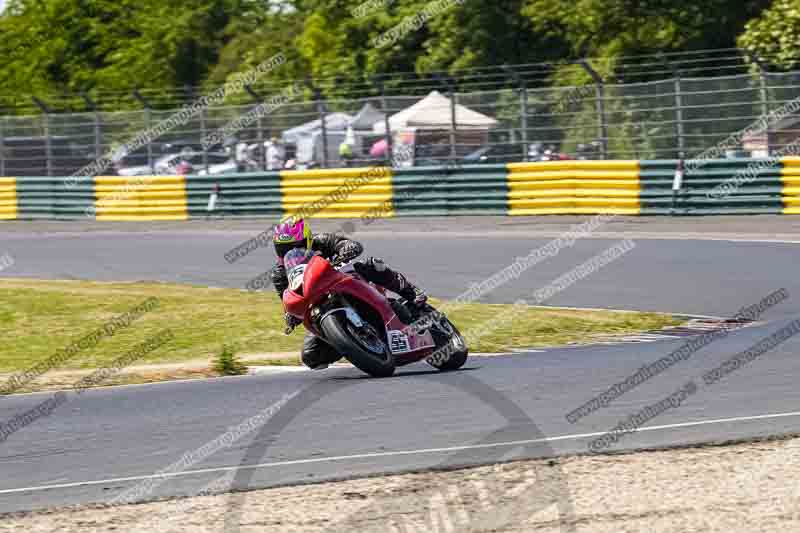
x=8, y=198
x=140, y=198
x=337, y=193
x=708, y=187
x=790, y=191
x=573, y=187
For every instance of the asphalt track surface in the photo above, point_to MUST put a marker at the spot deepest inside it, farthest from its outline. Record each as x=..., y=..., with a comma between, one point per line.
x=109, y=440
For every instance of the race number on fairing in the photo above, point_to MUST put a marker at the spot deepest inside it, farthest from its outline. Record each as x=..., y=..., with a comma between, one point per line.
x=296, y=277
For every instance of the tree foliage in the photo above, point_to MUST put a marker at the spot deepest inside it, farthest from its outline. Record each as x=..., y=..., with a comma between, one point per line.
x=57, y=46
x=51, y=47
x=616, y=28
x=775, y=35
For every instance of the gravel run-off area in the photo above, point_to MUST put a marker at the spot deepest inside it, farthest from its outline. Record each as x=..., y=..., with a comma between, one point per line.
x=746, y=487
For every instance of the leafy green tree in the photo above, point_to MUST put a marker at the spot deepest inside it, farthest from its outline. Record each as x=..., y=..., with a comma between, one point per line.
x=613, y=32
x=335, y=42
x=775, y=35
x=51, y=47
x=615, y=28
x=250, y=41
x=479, y=34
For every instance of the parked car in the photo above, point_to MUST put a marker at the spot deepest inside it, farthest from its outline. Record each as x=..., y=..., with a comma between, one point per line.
x=495, y=154
x=538, y=152
x=491, y=154
x=226, y=167
x=173, y=146
x=168, y=164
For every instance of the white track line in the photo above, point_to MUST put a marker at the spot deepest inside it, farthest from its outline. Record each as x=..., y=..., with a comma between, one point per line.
x=391, y=454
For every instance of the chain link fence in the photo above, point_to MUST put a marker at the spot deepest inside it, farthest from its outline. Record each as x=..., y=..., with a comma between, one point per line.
x=672, y=118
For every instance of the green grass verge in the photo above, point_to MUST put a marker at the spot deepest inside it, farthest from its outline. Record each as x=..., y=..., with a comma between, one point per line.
x=43, y=317
x=276, y=361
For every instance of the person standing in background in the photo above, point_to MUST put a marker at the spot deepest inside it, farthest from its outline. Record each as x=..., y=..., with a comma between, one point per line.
x=346, y=148
x=184, y=167
x=346, y=153
x=275, y=154
x=241, y=156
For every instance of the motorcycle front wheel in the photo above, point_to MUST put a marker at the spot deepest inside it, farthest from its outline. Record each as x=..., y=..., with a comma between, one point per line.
x=455, y=349
x=364, y=346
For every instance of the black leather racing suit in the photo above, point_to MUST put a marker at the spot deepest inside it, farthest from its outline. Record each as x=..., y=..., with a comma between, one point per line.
x=316, y=352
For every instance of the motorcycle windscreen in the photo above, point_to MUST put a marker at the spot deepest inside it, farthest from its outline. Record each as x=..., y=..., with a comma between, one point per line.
x=295, y=262
x=296, y=257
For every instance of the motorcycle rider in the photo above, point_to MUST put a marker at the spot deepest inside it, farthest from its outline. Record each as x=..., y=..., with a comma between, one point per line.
x=291, y=234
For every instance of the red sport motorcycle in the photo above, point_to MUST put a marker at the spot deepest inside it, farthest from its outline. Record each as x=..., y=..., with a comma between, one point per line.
x=374, y=332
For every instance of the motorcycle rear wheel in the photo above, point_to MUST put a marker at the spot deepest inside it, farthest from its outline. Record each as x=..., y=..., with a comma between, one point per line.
x=345, y=341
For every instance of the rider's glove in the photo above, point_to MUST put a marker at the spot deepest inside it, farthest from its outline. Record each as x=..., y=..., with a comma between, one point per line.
x=291, y=323
x=348, y=250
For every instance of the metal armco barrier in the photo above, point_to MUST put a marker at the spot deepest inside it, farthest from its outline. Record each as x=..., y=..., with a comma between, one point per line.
x=712, y=187
x=8, y=198
x=251, y=194
x=629, y=187
x=574, y=187
x=50, y=198
x=467, y=190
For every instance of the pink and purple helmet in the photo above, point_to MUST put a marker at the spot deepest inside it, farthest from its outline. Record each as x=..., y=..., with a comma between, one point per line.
x=290, y=234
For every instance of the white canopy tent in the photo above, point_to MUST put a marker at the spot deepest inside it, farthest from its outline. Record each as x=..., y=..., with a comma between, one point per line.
x=366, y=117
x=434, y=113
x=333, y=122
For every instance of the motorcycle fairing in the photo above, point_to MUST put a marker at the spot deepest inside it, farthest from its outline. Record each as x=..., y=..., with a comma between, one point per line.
x=320, y=279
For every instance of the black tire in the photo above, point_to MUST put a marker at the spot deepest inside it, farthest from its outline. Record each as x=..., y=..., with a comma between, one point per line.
x=457, y=359
x=336, y=333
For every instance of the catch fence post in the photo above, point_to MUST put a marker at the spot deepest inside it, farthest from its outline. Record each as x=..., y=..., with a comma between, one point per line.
x=451, y=95
x=48, y=145
x=762, y=90
x=385, y=109
x=453, y=123
x=147, y=124
x=2, y=151
x=600, y=95
x=203, y=134
x=262, y=157
x=97, y=141
x=677, y=86
x=321, y=112
x=679, y=113
x=522, y=88
x=762, y=82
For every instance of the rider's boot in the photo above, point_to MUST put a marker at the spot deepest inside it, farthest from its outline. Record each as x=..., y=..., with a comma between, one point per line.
x=374, y=269
x=318, y=354
x=414, y=295
x=398, y=283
